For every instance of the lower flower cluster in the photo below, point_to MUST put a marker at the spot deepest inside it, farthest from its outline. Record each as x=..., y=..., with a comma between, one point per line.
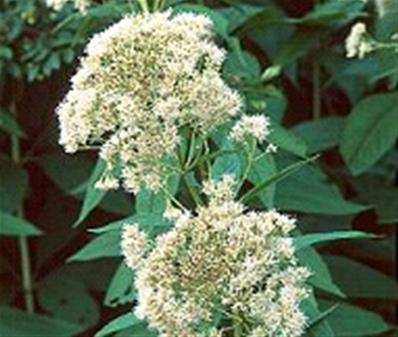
x=221, y=271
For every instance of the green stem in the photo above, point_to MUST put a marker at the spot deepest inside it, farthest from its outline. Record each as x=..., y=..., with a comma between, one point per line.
x=144, y=5
x=195, y=195
x=250, y=160
x=237, y=330
x=191, y=150
x=22, y=240
x=316, y=95
x=173, y=199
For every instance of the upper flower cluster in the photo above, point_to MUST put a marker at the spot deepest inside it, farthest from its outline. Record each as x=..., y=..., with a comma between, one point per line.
x=219, y=266
x=141, y=80
x=57, y=5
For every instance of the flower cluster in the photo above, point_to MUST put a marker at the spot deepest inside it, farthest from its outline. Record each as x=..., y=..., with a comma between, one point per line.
x=223, y=262
x=358, y=42
x=141, y=81
x=57, y=5
x=133, y=244
x=257, y=126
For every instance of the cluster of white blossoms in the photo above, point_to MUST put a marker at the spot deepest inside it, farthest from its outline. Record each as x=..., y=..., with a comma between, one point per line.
x=358, y=43
x=134, y=242
x=257, y=126
x=141, y=81
x=57, y=5
x=225, y=262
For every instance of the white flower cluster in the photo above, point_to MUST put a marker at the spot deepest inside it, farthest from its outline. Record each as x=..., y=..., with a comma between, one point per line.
x=223, y=261
x=357, y=43
x=57, y=5
x=133, y=244
x=257, y=126
x=143, y=79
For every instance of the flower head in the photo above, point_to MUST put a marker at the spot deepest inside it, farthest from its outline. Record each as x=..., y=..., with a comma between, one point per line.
x=257, y=126
x=133, y=245
x=357, y=43
x=224, y=261
x=141, y=80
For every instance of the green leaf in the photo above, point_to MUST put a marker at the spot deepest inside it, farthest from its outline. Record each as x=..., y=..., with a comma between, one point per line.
x=287, y=140
x=276, y=103
x=321, y=277
x=240, y=66
x=139, y=330
x=316, y=238
x=371, y=283
x=263, y=169
x=93, y=196
x=310, y=191
x=67, y=298
x=147, y=201
x=14, y=322
x=237, y=15
x=318, y=326
x=13, y=186
x=69, y=173
x=121, y=289
x=371, y=129
x=227, y=163
x=332, y=12
x=299, y=44
x=119, y=202
x=351, y=321
x=320, y=134
x=72, y=174
x=10, y=125
x=14, y=226
x=384, y=198
x=150, y=222
x=119, y=323
x=105, y=245
x=275, y=178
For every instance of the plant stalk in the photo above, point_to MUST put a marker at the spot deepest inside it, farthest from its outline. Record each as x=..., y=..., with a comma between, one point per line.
x=237, y=330
x=22, y=240
x=144, y=5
